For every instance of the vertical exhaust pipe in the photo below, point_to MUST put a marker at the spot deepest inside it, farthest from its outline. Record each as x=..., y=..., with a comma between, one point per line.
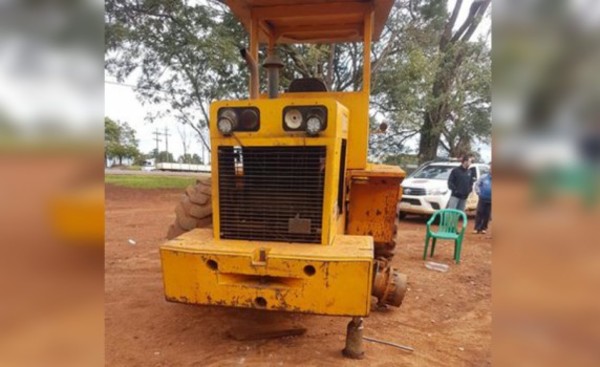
x=273, y=64
x=253, y=66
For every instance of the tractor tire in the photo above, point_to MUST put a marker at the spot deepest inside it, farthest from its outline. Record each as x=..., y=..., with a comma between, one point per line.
x=194, y=210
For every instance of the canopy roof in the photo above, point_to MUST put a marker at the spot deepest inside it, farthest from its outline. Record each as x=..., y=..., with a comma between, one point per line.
x=311, y=21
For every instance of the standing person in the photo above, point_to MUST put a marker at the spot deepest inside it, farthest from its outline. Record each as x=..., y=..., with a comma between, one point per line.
x=460, y=184
x=483, y=188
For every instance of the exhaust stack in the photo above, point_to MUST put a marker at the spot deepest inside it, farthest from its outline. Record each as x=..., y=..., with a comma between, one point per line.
x=273, y=64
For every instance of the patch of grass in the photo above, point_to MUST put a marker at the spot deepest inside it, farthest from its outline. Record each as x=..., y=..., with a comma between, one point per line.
x=150, y=181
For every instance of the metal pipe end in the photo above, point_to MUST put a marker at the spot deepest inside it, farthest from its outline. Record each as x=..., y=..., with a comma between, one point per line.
x=354, y=339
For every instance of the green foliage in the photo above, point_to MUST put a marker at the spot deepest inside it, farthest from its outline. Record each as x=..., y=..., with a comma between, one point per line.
x=429, y=80
x=150, y=181
x=401, y=159
x=140, y=160
x=119, y=141
x=161, y=156
x=189, y=158
x=183, y=55
x=433, y=87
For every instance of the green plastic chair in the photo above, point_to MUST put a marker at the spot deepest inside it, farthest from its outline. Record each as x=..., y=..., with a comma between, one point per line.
x=447, y=230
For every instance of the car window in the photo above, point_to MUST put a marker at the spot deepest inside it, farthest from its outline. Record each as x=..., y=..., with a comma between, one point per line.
x=483, y=170
x=434, y=172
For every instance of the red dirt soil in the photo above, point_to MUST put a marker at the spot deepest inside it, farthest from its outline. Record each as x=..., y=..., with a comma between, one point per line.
x=445, y=317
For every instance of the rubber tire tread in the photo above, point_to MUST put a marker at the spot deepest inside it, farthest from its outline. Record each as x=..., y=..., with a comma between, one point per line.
x=194, y=210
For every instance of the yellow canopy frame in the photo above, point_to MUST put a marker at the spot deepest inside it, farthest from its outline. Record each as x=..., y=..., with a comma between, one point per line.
x=313, y=21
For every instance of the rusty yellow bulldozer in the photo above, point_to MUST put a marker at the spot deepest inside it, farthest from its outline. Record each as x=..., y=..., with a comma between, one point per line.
x=301, y=222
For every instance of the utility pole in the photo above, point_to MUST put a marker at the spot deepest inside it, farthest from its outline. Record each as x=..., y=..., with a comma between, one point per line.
x=166, y=134
x=156, y=134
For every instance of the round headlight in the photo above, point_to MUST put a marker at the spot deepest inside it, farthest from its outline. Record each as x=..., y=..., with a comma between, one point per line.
x=227, y=122
x=249, y=119
x=314, y=125
x=293, y=119
x=225, y=126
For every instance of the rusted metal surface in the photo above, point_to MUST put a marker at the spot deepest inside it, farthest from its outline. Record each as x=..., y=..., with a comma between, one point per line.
x=354, y=339
x=374, y=195
x=198, y=269
x=387, y=249
x=389, y=286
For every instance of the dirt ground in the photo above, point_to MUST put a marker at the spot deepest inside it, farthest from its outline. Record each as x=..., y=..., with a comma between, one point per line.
x=445, y=317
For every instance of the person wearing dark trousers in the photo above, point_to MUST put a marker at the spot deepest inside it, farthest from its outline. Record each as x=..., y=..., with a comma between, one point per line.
x=483, y=188
x=460, y=184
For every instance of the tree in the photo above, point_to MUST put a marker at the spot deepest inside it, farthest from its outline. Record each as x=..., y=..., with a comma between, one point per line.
x=162, y=156
x=140, y=160
x=470, y=106
x=185, y=55
x=424, y=86
x=453, y=48
x=403, y=89
x=189, y=158
x=119, y=141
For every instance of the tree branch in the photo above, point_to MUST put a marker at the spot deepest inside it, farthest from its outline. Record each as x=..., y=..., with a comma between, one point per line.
x=447, y=33
x=183, y=116
x=410, y=10
x=466, y=30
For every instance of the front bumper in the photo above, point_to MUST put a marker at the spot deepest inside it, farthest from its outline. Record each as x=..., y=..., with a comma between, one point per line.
x=426, y=204
x=327, y=280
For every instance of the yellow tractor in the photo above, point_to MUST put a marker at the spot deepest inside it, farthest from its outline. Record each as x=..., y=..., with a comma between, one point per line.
x=301, y=222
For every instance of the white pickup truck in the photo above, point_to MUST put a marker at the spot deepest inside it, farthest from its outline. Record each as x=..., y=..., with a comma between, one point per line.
x=426, y=189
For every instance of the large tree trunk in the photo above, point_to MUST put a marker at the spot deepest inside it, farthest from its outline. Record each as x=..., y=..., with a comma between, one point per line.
x=437, y=110
x=462, y=148
x=430, y=139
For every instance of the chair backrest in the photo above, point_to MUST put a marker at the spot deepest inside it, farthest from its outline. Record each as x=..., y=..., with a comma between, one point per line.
x=449, y=219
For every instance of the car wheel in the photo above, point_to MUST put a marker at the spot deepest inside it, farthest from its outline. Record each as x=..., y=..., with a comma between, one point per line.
x=402, y=215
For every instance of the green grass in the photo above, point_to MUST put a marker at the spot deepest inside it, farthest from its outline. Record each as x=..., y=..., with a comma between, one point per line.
x=150, y=181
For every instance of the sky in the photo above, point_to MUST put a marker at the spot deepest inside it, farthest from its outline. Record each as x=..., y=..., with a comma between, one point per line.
x=121, y=104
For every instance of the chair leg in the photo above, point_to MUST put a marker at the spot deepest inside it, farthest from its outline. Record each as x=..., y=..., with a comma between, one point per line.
x=457, y=248
x=426, y=246
x=433, y=247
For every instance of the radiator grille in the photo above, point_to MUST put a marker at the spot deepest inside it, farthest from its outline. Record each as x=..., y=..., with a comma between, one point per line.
x=414, y=191
x=271, y=193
